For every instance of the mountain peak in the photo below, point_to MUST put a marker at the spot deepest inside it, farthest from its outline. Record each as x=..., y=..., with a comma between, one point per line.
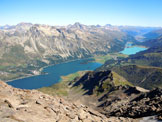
x=77, y=25
x=108, y=25
x=24, y=24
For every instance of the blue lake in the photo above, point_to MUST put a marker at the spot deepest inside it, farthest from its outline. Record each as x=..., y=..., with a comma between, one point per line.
x=54, y=74
x=132, y=50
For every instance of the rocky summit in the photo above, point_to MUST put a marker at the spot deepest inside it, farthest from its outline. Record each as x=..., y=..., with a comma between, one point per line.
x=17, y=105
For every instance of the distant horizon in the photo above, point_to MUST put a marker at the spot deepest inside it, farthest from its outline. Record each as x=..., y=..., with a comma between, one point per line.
x=144, y=13
x=80, y=23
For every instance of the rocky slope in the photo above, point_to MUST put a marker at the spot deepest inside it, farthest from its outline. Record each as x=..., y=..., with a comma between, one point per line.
x=18, y=105
x=146, y=104
x=118, y=97
x=63, y=42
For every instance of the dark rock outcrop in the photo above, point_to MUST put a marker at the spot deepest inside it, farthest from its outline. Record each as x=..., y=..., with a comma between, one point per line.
x=94, y=79
x=146, y=104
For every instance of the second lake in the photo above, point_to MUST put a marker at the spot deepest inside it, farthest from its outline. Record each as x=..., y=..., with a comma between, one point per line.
x=132, y=50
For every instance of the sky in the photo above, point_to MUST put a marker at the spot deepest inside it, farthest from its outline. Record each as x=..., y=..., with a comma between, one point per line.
x=89, y=12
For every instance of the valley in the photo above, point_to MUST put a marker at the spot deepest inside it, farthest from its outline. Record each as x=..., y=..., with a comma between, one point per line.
x=26, y=48
x=51, y=74
x=22, y=47
x=106, y=70
x=30, y=47
x=118, y=85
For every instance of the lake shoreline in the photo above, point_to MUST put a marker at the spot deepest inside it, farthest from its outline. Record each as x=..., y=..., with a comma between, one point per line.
x=54, y=74
x=41, y=69
x=93, y=57
x=132, y=49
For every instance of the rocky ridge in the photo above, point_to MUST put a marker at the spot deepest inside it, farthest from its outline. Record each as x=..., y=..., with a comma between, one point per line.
x=146, y=104
x=17, y=105
x=121, y=98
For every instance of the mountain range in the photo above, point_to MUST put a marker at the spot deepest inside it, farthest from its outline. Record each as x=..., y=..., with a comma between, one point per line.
x=26, y=47
x=57, y=43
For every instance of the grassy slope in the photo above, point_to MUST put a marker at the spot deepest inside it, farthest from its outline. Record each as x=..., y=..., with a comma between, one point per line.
x=143, y=68
x=144, y=76
x=62, y=87
x=120, y=81
x=150, y=57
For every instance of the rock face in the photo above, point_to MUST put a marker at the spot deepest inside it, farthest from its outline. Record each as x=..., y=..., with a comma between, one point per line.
x=73, y=41
x=146, y=104
x=18, y=105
